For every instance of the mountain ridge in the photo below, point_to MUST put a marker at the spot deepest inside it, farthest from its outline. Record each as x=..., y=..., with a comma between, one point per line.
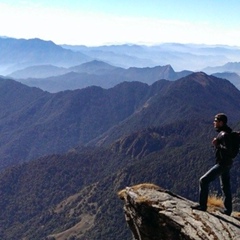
x=204, y=95
x=192, y=57
x=228, y=67
x=96, y=73
x=19, y=53
x=55, y=122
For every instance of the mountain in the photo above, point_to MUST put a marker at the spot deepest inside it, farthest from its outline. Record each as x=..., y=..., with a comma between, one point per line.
x=96, y=73
x=93, y=67
x=36, y=58
x=228, y=67
x=46, y=71
x=231, y=76
x=159, y=133
x=17, y=54
x=171, y=103
x=150, y=75
x=48, y=123
x=35, y=123
x=40, y=71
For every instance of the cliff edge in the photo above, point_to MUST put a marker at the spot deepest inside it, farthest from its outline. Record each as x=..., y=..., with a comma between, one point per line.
x=153, y=213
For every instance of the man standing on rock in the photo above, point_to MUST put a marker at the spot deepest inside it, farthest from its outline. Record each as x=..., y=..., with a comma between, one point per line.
x=222, y=144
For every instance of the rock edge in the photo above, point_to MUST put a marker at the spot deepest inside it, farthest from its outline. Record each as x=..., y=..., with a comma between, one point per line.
x=153, y=213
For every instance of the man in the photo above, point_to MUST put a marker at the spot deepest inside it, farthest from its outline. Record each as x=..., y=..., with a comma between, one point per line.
x=222, y=144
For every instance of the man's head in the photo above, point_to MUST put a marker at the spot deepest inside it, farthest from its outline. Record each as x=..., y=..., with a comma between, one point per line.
x=220, y=120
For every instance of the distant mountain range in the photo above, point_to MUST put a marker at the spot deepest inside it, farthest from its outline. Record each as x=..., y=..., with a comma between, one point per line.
x=231, y=76
x=44, y=71
x=191, y=57
x=231, y=67
x=54, y=68
x=17, y=54
x=65, y=155
x=97, y=73
x=94, y=73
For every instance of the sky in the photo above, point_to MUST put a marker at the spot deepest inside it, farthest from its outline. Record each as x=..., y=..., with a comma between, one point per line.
x=105, y=22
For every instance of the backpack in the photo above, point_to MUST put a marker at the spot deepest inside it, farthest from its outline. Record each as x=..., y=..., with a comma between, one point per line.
x=235, y=138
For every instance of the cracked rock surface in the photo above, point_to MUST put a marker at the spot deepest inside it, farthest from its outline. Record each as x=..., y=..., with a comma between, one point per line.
x=153, y=213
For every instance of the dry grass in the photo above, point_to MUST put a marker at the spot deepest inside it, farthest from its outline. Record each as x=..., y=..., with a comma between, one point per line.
x=215, y=201
x=121, y=193
x=145, y=185
x=236, y=215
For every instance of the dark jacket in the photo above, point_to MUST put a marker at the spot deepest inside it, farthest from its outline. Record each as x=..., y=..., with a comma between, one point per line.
x=224, y=148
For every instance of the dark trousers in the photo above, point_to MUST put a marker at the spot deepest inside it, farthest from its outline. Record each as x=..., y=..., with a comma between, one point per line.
x=223, y=172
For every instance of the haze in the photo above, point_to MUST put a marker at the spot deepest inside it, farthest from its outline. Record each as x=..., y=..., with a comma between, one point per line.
x=94, y=23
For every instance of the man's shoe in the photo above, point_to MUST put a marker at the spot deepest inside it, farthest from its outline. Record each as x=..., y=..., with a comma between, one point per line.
x=199, y=207
x=226, y=212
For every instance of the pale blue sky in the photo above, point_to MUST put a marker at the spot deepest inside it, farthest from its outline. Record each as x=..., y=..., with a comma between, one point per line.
x=98, y=22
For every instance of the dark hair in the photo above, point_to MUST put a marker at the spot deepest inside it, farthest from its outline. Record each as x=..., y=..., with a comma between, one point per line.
x=221, y=117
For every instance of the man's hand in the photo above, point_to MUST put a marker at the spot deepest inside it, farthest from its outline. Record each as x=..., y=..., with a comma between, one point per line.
x=215, y=142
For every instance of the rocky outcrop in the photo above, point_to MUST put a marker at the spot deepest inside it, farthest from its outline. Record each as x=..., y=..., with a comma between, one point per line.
x=153, y=213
